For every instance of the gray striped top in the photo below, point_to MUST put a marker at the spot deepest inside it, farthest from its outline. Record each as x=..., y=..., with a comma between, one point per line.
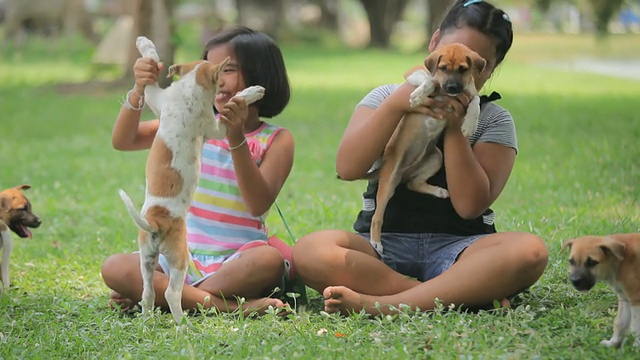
x=495, y=125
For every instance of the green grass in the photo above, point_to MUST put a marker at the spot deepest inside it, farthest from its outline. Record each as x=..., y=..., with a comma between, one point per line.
x=576, y=173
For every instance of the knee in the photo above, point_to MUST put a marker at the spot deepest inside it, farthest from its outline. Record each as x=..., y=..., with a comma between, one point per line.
x=311, y=250
x=535, y=254
x=114, y=268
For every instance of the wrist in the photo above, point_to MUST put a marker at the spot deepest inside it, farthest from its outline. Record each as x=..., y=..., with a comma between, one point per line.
x=134, y=100
x=233, y=145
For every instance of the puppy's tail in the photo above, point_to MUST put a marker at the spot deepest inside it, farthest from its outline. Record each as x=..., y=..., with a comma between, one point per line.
x=135, y=214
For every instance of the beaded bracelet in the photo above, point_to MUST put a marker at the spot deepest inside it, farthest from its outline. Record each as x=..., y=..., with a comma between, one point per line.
x=231, y=148
x=130, y=106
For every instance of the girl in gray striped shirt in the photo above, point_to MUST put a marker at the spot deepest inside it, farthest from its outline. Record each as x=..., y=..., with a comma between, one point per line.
x=435, y=250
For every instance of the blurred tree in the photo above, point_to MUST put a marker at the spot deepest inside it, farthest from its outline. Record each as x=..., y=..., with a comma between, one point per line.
x=542, y=5
x=153, y=19
x=603, y=11
x=435, y=10
x=383, y=16
x=266, y=16
x=328, y=13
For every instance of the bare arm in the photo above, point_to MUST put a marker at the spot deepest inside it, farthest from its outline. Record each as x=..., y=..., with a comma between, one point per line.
x=368, y=132
x=128, y=132
x=475, y=177
x=260, y=186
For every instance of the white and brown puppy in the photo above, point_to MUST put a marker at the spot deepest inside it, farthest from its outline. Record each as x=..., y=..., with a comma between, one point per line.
x=411, y=155
x=187, y=120
x=15, y=216
x=614, y=259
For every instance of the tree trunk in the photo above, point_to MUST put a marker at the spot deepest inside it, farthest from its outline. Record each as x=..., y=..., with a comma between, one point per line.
x=142, y=11
x=162, y=30
x=152, y=18
x=328, y=13
x=436, y=9
x=603, y=12
x=382, y=15
x=265, y=16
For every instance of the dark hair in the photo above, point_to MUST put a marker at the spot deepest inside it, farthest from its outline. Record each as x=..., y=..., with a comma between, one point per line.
x=261, y=63
x=483, y=17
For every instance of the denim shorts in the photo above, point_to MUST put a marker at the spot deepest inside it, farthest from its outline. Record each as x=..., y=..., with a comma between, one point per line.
x=422, y=256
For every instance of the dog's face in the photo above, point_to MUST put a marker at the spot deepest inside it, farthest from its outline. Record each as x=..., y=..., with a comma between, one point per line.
x=15, y=211
x=454, y=67
x=593, y=258
x=207, y=73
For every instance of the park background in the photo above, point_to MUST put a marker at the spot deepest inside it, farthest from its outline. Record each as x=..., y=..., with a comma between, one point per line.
x=571, y=86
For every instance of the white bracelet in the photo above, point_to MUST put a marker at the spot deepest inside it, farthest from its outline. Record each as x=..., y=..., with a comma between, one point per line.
x=130, y=106
x=231, y=148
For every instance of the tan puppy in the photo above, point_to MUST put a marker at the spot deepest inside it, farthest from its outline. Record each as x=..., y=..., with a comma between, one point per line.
x=411, y=155
x=614, y=259
x=16, y=216
x=187, y=120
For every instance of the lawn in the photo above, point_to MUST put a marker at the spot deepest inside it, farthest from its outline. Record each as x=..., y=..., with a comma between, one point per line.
x=576, y=173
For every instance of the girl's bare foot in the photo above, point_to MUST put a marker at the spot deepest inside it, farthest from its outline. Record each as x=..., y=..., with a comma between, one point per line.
x=345, y=300
x=118, y=302
x=260, y=306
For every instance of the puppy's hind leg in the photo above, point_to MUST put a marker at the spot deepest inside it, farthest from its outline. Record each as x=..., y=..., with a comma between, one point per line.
x=427, y=170
x=620, y=324
x=7, y=246
x=389, y=179
x=178, y=260
x=635, y=324
x=148, y=261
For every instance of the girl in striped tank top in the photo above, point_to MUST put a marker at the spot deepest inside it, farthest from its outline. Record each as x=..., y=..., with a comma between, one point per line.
x=232, y=255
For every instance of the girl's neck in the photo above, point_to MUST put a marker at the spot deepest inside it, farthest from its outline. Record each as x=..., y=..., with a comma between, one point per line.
x=252, y=124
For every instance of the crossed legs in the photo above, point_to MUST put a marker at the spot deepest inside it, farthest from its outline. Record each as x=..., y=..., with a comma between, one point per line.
x=345, y=269
x=251, y=276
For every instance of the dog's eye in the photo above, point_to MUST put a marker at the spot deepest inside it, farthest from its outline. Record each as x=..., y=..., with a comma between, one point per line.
x=442, y=68
x=572, y=262
x=590, y=263
x=462, y=69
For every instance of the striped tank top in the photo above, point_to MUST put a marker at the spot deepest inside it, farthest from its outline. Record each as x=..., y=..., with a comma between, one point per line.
x=218, y=222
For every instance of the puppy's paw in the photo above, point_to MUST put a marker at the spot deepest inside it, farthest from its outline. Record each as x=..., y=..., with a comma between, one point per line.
x=418, y=95
x=441, y=193
x=377, y=245
x=252, y=94
x=147, y=48
x=468, y=128
x=610, y=343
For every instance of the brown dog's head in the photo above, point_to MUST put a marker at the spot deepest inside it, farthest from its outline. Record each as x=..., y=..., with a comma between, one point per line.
x=454, y=67
x=207, y=73
x=15, y=211
x=593, y=258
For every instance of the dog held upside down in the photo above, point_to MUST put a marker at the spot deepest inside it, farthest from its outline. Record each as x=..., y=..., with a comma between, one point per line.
x=614, y=259
x=15, y=216
x=411, y=154
x=187, y=120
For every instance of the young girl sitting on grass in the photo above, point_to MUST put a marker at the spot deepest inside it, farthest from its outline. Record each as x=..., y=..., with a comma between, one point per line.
x=240, y=180
x=435, y=249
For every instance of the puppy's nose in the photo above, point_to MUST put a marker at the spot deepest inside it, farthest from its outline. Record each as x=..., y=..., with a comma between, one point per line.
x=452, y=87
x=582, y=284
x=37, y=222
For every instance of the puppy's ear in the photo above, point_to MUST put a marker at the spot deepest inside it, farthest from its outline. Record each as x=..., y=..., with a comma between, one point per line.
x=4, y=203
x=567, y=245
x=613, y=247
x=476, y=62
x=431, y=62
x=181, y=69
x=23, y=187
x=220, y=68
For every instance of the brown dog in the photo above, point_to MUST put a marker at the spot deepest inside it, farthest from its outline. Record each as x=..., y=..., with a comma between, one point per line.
x=411, y=155
x=16, y=216
x=614, y=259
